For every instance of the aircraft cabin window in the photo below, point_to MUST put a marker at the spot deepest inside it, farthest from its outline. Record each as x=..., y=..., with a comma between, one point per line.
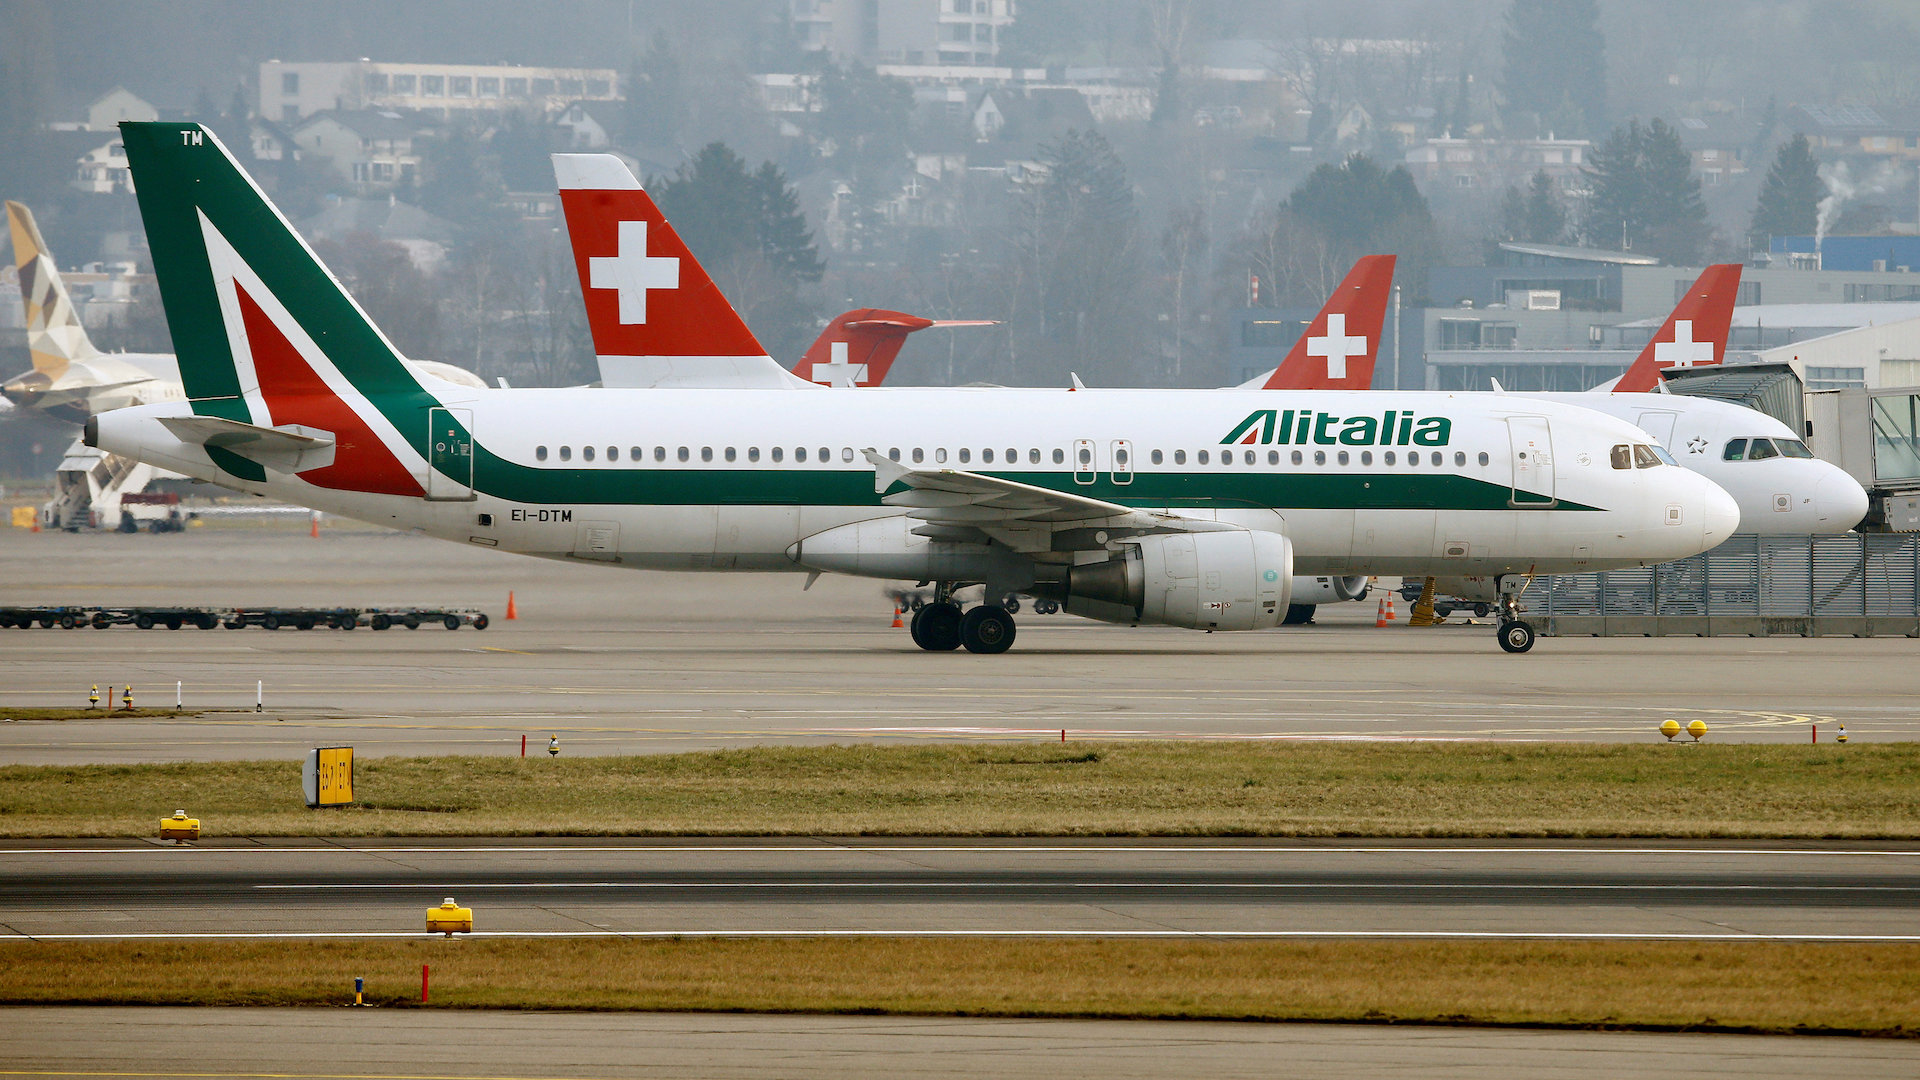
x=684, y=454
x=1086, y=456
x=826, y=453
x=1622, y=456
x=778, y=452
x=1297, y=457
x=1201, y=457
x=586, y=453
x=1342, y=459
x=939, y=455
x=799, y=453
x=919, y=455
x=1013, y=456
x=1761, y=450
x=634, y=453
x=1273, y=457
x=659, y=453
x=753, y=453
x=1366, y=457
x=986, y=456
x=1413, y=459
x=613, y=453
x=1120, y=458
x=706, y=453
x=1226, y=457
x=1251, y=459
x=893, y=454
x=539, y=453
x=566, y=453
x=1439, y=459
x=1157, y=457
x=1460, y=457
x=1484, y=459
x=1389, y=458
x=1059, y=456
x=846, y=453
x=1644, y=457
x=1792, y=448
x=1319, y=457
x=966, y=455
x=729, y=453
x=1179, y=457
x=1033, y=455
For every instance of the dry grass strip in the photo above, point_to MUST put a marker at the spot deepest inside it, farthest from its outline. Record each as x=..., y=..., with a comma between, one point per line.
x=1116, y=789
x=1743, y=986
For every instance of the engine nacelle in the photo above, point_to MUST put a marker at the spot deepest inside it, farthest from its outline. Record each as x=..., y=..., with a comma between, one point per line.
x=1239, y=580
x=1328, y=590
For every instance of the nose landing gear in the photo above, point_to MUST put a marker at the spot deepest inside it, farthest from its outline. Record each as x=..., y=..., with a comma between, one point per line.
x=1516, y=634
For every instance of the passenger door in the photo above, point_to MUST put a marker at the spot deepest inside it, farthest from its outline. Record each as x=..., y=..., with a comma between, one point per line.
x=1532, y=447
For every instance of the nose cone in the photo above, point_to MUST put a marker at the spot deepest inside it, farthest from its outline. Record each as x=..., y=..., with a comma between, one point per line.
x=1840, y=501
x=1720, y=517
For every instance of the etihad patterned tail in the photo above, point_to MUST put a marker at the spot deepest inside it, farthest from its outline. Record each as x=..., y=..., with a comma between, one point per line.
x=271, y=349
x=1695, y=335
x=657, y=318
x=1339, y=348
x=54, y=334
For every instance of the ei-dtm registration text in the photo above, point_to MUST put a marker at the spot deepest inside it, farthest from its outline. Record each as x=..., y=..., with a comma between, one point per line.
x=542, y=515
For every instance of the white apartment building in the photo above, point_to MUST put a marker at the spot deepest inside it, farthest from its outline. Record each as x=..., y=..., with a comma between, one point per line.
x=293, y=91
x=903, y=31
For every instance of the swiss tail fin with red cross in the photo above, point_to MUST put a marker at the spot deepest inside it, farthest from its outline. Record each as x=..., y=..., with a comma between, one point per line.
x=657, y=317
x=1695, y=335
x=858, y=347
x=1339, y=348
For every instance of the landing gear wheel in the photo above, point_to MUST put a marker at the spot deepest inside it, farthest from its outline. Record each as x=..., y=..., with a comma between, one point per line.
x=936, y=627
x=987, y=629
x=1012, y=604
x=1516, y=636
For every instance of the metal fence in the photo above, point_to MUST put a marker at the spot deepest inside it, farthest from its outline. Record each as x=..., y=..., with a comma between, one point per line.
x=1750, y=584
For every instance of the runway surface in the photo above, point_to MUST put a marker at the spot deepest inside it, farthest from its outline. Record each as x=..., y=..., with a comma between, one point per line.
x=309, y=1044
x=618, y=661
x=965, y=887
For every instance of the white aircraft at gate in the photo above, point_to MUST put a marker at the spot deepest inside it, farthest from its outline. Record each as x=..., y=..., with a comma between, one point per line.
x=1183, y=508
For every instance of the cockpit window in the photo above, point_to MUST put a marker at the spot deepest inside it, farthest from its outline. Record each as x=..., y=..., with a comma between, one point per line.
x=1662, y=453
x=1622, y=456
x=1793, y=448
x=1644, y=457
x=1736, y=450
x=1761, y=449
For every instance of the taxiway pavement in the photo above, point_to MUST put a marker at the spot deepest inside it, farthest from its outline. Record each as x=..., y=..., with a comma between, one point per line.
x=1694, y=890
x=617, y=661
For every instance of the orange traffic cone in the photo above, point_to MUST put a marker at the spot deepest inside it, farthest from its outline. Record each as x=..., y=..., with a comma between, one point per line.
x=1390, y=614
x=315, y=532
x=897, y=624
x=1380, y=613
x=512, y=612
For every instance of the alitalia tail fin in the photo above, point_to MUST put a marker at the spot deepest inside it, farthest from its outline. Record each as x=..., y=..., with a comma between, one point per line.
x=1339, y=348
x=55, y=336
x=657, y=318
x=265, y=335
x=1694, y=335
x=858, y=347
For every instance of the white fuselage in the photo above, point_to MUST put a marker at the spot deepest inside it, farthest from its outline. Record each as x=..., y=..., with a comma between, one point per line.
x=1778, y=495
x=707, y=492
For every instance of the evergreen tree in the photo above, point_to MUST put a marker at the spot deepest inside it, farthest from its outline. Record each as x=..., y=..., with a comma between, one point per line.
x=785, y=239
x=656, y=111
x=1537, y=216
x=1360, y=209
x=1790, y=195
x=1556, y=68
x=1079, y=238
x=1645, y=196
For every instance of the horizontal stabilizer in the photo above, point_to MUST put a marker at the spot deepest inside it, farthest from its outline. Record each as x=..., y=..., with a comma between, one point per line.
x=291, y=448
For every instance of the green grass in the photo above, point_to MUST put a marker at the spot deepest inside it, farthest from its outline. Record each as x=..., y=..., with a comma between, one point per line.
x=1174, y=789
x=1746, y=986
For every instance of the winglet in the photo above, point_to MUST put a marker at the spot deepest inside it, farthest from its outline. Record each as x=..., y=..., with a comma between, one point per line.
x=886, y=471
x=1341, y=344
x=1694, y=335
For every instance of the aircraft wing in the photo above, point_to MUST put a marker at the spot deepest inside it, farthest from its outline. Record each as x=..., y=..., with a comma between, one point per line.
x=957, y=505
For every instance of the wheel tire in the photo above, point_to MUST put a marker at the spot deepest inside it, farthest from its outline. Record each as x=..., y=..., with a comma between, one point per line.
x=936, y=627
x=1480, y=611
x=101, y=622
x=271, y=622
x=987, y=630
x=143, y=621
x=304, y=624
x=1516, y=636
x=174, y=622
x=380, y=621
x=1299, y=614
x=451, y=622
x=235, y=624
x=915, y=604
x=480, y=621
x=206, y=622
x=68, y=622
x=1012, y=605
x=411, y=622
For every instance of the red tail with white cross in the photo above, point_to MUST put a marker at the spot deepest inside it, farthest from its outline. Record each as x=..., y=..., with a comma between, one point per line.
x=657, y=318
x=1338, y=350
x=1695, y=334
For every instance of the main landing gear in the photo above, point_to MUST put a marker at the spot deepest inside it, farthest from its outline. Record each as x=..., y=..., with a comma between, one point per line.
x=941, y=627
x=1516, y=634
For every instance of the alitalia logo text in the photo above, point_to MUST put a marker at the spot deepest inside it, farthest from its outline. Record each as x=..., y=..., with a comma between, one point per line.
x=1289, y=427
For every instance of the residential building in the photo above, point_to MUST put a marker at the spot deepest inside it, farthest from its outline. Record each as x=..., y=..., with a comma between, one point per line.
x=1719, y=145
x=964, y=32
x=365, y=147
x=109, y=109
x=589, y=125
x=292, y=91
x=1494, y=164
x=102, y=168
x=1853, y=129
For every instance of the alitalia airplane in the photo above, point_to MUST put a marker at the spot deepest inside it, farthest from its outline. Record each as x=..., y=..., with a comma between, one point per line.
x=1180, y=508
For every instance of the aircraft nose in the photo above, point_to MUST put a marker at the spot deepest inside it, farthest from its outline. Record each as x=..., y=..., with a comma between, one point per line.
x=1839, y=500
x=1721, y=518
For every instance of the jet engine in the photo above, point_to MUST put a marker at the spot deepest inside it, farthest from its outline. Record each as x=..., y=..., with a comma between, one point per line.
x=1328, y=590
x=1237, y=580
